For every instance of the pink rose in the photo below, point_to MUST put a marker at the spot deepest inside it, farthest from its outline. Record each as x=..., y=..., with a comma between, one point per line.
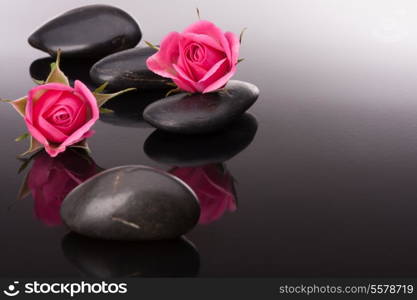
x=214, y=187
x=200, y=59
x=51, y=179
x=58, y=116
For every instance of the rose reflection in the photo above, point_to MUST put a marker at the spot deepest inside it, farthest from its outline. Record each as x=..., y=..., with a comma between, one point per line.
x=214, y=186
x=51, y=179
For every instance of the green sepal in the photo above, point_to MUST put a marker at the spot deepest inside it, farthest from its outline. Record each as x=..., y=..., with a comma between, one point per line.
x=24, y=190
x=152, y=45
x=38, y=82
x=241, y=35
x=240, y=60
x=82, y=145
x=20, y=105
x=105, y=110
x=101, y=88
x=56, y=75
x=34, y=146
x=103, y=98
x=22, y=137
x=173, y=91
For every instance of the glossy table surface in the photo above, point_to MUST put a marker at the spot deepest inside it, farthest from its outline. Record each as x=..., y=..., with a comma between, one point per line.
x=328, y=185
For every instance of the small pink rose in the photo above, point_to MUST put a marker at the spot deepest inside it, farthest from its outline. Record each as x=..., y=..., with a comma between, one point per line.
x=58, y=116
x=200, y=59
x=51, y=179
x=214, y=188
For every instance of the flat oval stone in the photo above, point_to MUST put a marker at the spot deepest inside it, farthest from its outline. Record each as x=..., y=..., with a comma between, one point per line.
x=202, y=113
x=88, y=31
x=110, y=259
x=128, y=69
x=131, y=203
x=183, y=150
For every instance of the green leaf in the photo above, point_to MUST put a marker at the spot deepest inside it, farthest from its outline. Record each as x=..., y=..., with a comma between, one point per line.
x=152, y=45
x=101, y=88
x=22, y=137
x=103, y=98
x=56, y=74
x=241, y=35
x=105, y=110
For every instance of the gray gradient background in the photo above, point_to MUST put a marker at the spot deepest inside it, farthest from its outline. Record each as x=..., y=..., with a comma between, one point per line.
x=328, y=187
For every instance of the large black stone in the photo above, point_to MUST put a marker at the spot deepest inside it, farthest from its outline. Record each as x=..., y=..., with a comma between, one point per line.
x=202, y=113
x=131, y=203
x=110, y=259
x=182, y=150
x=128, y=69
x=88, y=31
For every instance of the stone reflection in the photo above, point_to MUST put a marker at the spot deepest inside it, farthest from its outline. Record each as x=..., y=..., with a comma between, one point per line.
x=109, y=259
x=127, y=108
x=197, y=150
x=75, y=69
x=214, y=187
x=49, y=180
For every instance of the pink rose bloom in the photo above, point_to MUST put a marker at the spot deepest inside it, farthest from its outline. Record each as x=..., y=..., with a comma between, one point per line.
x=200, y=59
x=214, y=187
x=58, y=116
x=51, y=179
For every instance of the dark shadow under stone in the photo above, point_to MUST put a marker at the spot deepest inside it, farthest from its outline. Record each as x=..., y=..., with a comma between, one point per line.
x=112, y=259
x=184, y=150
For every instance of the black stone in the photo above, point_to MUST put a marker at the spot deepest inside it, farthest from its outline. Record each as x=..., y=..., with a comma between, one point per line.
x=112, y=259
x=128, y=108
x=74, y=69
x=128, y=69
x=182, y=150
x=131, y=203
x=88, y=31
x=202, y=113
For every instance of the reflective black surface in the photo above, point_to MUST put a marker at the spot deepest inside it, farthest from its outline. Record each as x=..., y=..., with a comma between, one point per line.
x=328, y=186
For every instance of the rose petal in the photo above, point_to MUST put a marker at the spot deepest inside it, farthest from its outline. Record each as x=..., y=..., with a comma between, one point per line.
x=183, y=77
x=208, y=28
x=219, y=83
x=43, y=103
x=161, y=62
x=213, y=70
x=234, y=45
x=50, y=132
x=203, y=39
x=92, y=104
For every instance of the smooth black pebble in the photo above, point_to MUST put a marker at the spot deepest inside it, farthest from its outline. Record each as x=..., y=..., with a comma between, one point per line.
x=183, y=150
x=128, y=69
x=202, y=113
x=88, y=31
x=131, y=203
